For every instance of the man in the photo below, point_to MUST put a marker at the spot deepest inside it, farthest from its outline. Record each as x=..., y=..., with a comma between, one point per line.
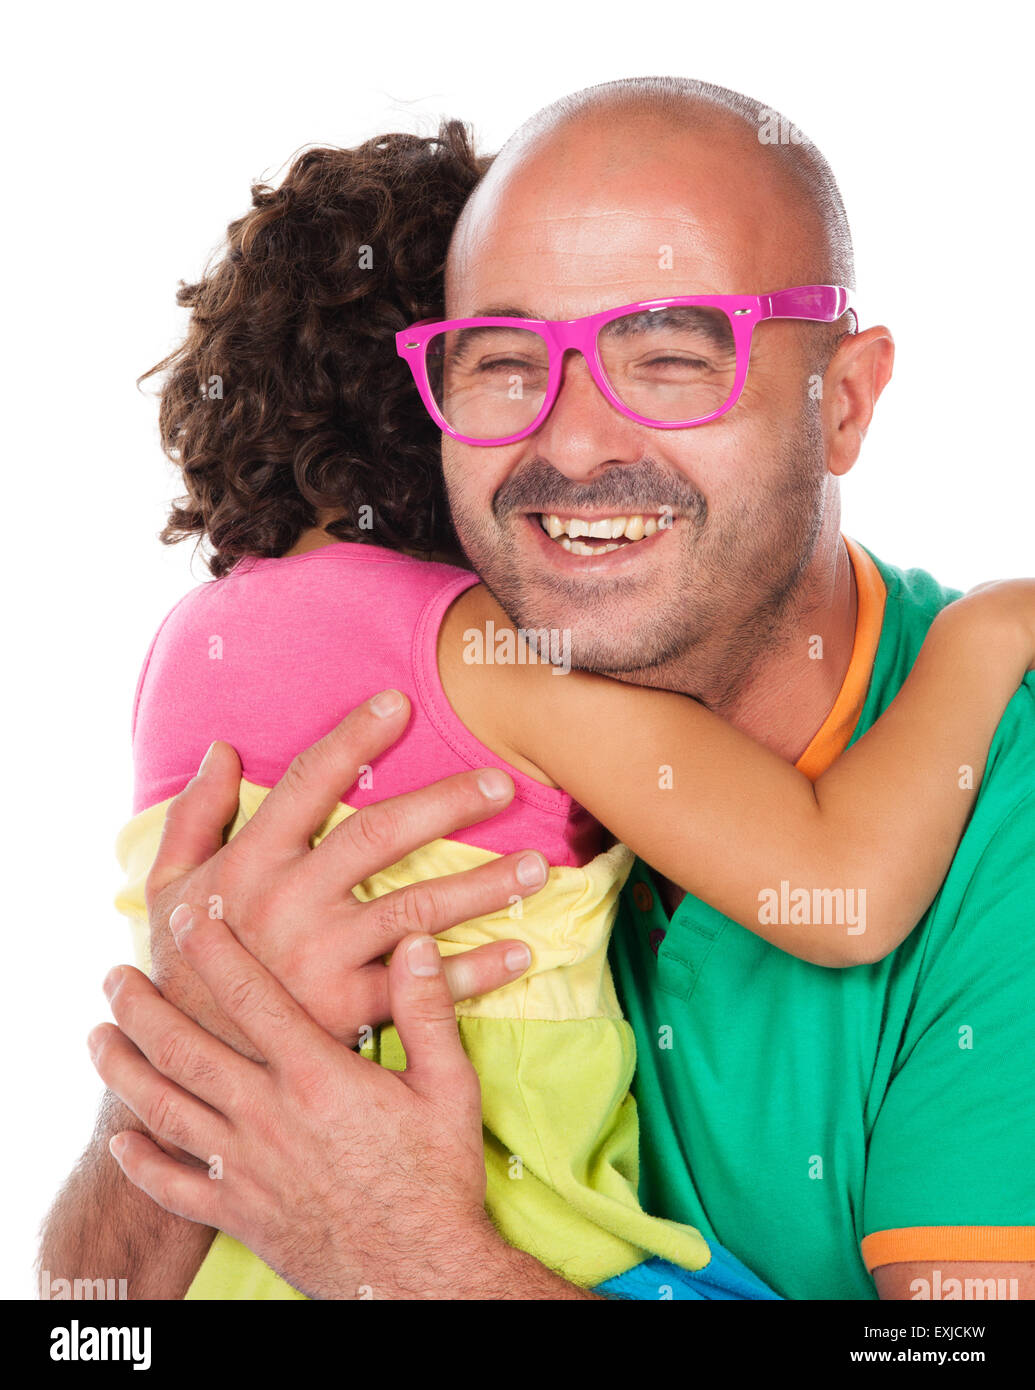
x=822, y=1125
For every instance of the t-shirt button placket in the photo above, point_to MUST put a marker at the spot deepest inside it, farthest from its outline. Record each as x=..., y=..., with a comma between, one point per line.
x=644, y=901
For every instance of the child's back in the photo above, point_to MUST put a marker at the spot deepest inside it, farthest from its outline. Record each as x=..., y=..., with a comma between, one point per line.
x=271, y=657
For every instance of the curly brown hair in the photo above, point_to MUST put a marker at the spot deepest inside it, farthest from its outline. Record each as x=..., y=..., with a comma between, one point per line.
x=287, y=397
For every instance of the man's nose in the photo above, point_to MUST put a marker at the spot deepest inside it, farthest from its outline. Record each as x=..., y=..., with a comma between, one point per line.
x=584, y=434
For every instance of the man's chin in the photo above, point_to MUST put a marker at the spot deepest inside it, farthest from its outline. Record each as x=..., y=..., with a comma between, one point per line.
x=611, y=625
x=608, y=641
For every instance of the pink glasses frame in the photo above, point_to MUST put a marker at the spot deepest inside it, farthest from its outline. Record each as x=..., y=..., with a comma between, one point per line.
x=817, y=303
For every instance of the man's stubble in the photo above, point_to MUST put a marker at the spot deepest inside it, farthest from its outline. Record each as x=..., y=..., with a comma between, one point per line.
x=735, y=593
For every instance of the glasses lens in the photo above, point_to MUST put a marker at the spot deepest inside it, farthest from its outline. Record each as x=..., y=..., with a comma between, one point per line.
x=674, y=364
x=489, y=382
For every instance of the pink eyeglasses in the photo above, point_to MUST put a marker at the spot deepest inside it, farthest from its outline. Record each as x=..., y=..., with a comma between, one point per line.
x=667, y=363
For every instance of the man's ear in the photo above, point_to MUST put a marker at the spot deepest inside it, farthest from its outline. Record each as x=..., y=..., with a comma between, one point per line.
x=858, y=372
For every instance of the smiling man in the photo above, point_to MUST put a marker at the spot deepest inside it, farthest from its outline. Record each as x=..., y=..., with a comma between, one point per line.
x=668, y=494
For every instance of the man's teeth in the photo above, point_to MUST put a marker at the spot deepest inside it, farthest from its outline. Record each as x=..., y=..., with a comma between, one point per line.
x=581, y=548
x=568, y=530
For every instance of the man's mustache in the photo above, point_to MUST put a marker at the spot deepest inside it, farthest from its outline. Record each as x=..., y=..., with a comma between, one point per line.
x=627, y=488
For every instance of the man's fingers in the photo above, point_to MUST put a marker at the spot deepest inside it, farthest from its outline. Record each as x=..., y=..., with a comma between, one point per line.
x=192, y=831
x=168, y=1111
x=184, y=1191
x=321, y=775
x=468, y=975
x=423, y=1014
x=278, y=1028
x=433, y=905
x=174, y=1044
x=485, y=968
x=384, y=833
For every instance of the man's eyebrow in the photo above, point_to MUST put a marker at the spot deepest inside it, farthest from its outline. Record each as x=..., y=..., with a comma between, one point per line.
x=504, y=312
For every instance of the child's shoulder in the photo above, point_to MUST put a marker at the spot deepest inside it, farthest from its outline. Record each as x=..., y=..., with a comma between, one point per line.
x=342, y=569
x=326, y=600
x=270, y=656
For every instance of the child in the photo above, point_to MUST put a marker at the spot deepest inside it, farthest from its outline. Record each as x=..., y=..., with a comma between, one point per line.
x=302, y=637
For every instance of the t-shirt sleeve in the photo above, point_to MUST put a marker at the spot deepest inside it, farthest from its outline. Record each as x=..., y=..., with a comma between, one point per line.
x=949, y=1172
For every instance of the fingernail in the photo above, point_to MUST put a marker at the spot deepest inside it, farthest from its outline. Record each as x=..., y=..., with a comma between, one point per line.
x=204, y=762
x=532, y=870
x=93, y=1042
x=494, y=784
x=181, y=919
x=423, y=958
x=112, y=981
x=517, y=959
x=116, y=1144
x=388, y=702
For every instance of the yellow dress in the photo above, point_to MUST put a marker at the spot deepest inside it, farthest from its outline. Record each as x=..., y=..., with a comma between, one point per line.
x=553, y=1053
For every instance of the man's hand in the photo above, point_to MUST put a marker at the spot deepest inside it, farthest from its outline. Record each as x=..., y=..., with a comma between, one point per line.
x=293, y=907
x=350, y=1180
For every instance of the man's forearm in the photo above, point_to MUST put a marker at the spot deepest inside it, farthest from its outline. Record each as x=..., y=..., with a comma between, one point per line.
x=521, y=1276
x=473, y=1265
x=102, y=1227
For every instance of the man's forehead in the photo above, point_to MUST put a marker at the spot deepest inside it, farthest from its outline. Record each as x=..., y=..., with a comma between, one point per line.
x=592, y=217
x=554, y=263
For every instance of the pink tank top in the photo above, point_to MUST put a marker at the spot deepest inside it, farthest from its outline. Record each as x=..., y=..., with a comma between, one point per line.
x=271, y=656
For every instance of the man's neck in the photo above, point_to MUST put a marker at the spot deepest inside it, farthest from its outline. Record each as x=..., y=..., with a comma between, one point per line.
x=787, y=696
x=786, y=686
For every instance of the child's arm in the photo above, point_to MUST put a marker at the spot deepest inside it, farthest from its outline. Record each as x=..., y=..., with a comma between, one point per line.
x=730, y=821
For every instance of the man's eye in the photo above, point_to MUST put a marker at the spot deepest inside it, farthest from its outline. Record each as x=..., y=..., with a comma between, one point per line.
x=697, y=364
x=508, y=364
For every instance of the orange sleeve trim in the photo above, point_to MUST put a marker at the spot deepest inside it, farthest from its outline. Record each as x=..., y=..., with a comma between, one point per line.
x=832, y=737
x=1010, y=1244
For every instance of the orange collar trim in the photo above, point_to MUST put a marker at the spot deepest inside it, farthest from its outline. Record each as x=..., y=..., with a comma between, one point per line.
x=831, y=739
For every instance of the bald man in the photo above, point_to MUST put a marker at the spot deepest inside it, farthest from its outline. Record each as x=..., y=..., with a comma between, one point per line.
x=852, y=1134
x=825, y=1127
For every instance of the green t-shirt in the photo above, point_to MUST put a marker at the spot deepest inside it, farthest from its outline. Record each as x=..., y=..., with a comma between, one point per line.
x=788, y=1110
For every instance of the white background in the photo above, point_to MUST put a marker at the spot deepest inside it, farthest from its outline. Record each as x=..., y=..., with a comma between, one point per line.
x=132, y=135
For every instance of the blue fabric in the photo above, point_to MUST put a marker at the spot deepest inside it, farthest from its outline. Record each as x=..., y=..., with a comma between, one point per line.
x=722, y=1278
